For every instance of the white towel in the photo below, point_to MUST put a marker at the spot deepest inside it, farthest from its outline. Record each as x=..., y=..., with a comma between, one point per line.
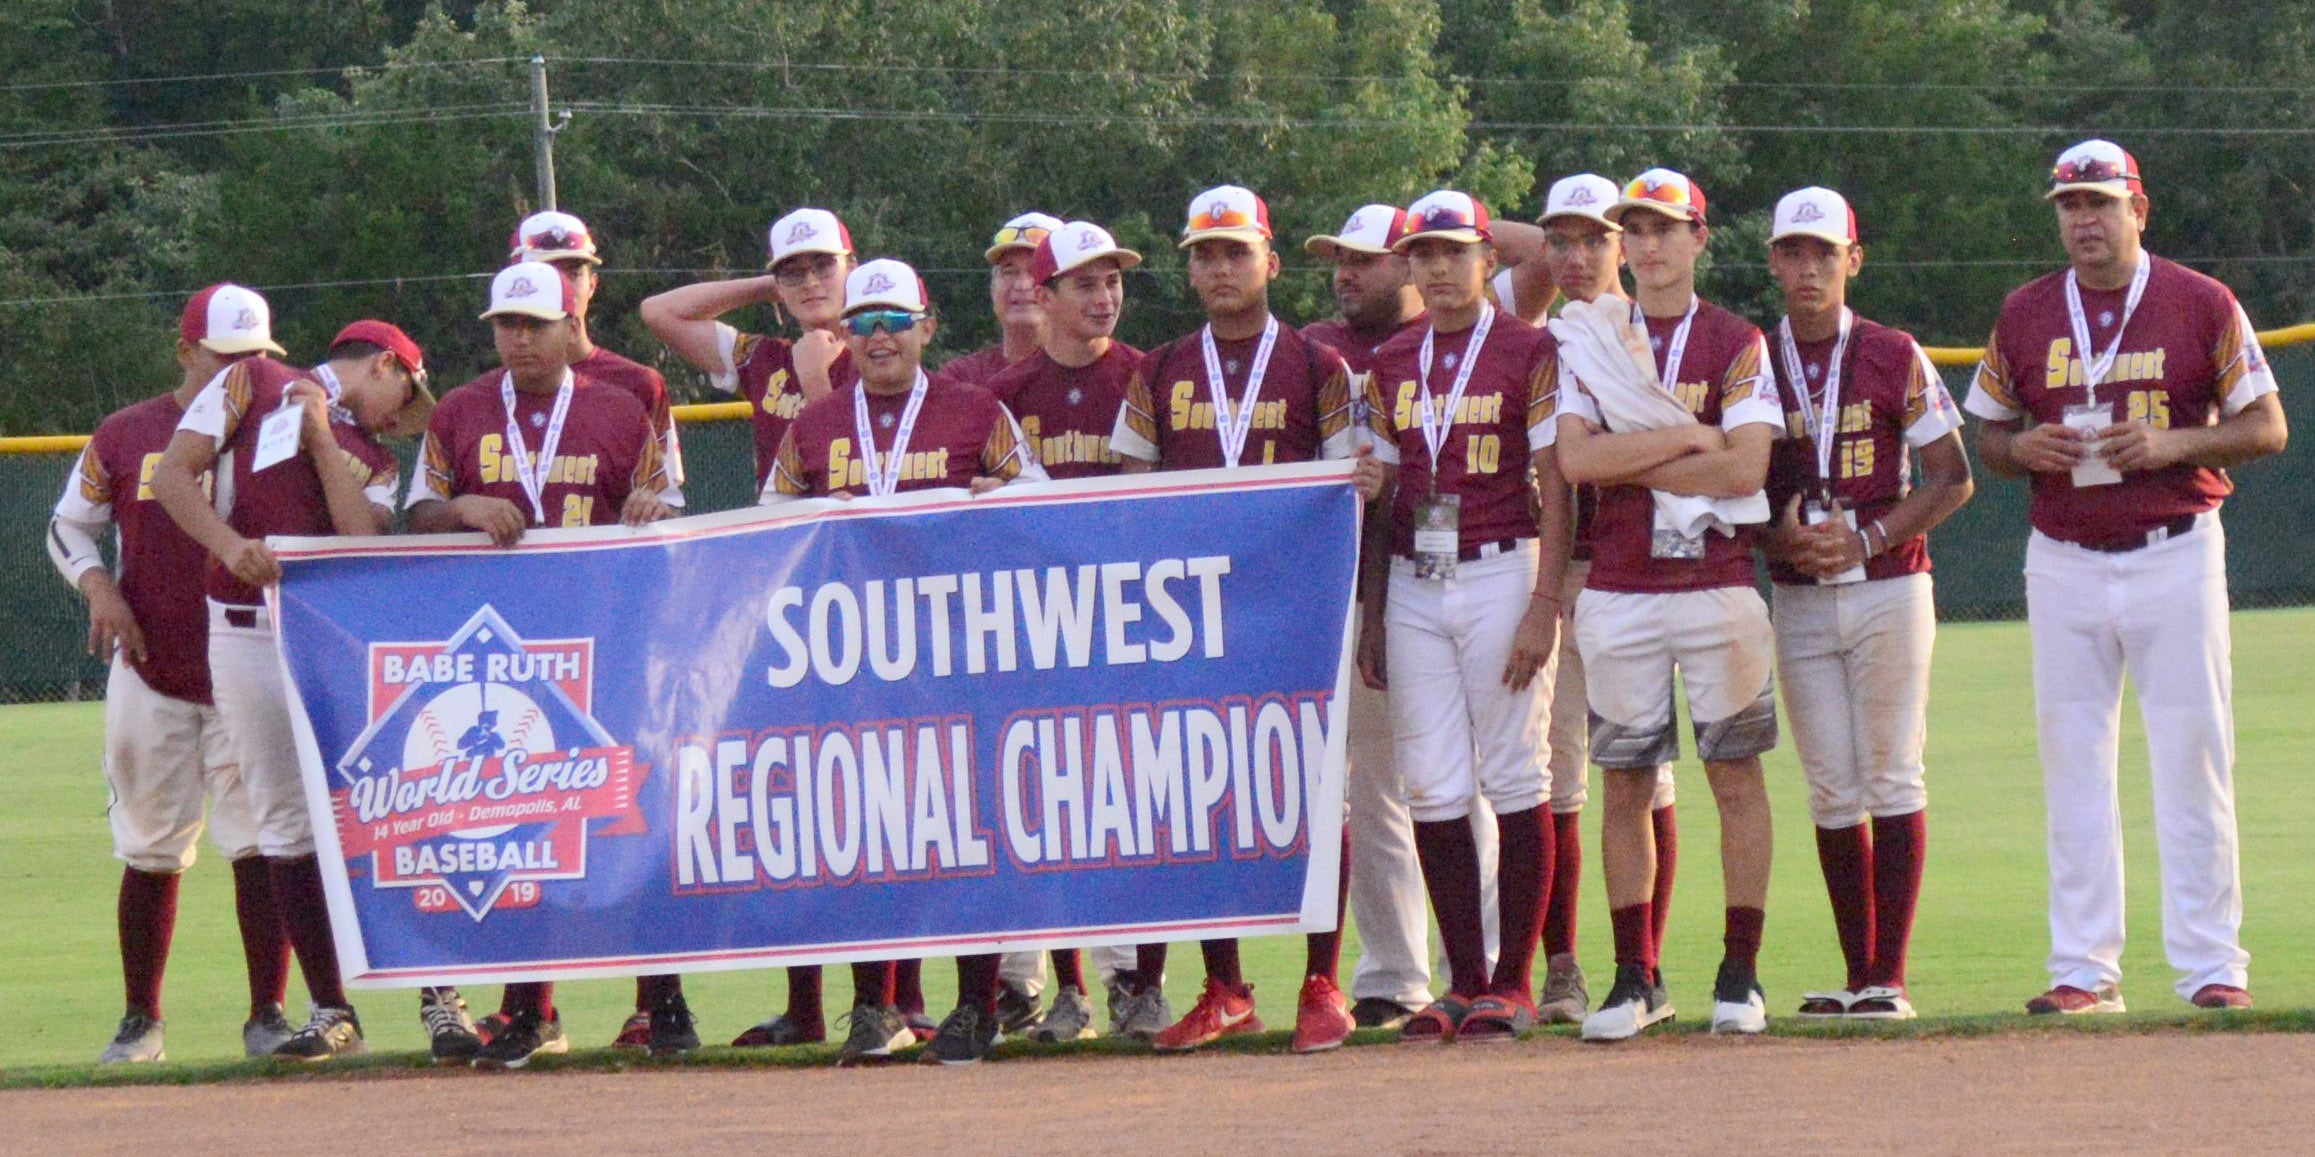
x=1612, y=358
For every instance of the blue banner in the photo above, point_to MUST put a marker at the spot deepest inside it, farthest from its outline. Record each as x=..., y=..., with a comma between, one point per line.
x=1072, y=713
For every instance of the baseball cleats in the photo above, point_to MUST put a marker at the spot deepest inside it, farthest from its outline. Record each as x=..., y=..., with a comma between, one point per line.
x=670, y=1029
x=328, y=1032
x=138, y=1039
x=1322, y=1017
x=1738, y=1005
x=1438, y=1022
x=492, y=1025
x=1564, y=999
x=1140, y=1012
x=1222, y=1010
x=779, y=1032
x=1016, y=1010
x=635, y=1034
x=1880, y=1002
x=2067, y=1000
x=1070, y=1018
x=264, y=1031
x=965, y=1038
x=1379, y=1012
x=920, y=1026
x=876, y=1031
x=1832, y=1004
x=450, y=1035
x=1633, y=1004
x=526, y=1036
x=2221, y=996
x=1497, y=1017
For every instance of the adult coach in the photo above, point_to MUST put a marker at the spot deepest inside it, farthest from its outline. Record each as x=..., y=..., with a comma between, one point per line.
x=1012, y=298
x=894, y=432
x=1477, y=523
x=1671, y=585
x=1854, y=616
x=2144, y=384
x=810, y=253
x=1245, y=388
x=532, y=444
x=304, y=461
x=165, y=748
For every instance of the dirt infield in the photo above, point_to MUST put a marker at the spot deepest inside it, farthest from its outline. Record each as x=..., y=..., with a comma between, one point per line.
x=2047, y=1092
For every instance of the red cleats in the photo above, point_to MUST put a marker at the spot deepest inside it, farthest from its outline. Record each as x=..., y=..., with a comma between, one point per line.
x=2221, y=996
x=1322, y=1019
x=635, y=1034
x=2067, y=1000
x=1221, y=1011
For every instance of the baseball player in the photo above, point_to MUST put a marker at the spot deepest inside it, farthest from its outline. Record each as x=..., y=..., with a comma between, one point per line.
x=810, y=252
x=894, y=432
x=2144, y=384
x=532, y=444
x=1013, y=298
x=1244, y=388
x=300, y=457
x=1852, y=606
x=164, y=747
x=1582, y=259
x=1671, y=582
x=1472, y=608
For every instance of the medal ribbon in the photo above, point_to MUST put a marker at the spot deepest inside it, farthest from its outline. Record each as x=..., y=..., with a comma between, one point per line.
x=1435, y=429
x=1679, y=350
x=1234, y=428
x=884, y=473
x=534, y=472
x=1826, y=418
x=2094, y=370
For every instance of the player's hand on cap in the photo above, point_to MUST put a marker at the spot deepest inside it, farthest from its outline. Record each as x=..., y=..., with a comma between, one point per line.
x=644, y=507
x=1371, y=667
x=2049, y=448
x=496, y=517
x=1533, y=646
x=252, y=562
x=2136, y=446
x=113, y=627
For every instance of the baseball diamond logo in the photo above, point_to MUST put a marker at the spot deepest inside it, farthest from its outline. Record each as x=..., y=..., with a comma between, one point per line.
x=1581, y=196
x=1218, y=211
x=1807, y=212
x=246, y=319
x=1088, y=240
x=877, y=283
x=1352, y=225
x=522, y=287
x=802, y=231
x=482, y=766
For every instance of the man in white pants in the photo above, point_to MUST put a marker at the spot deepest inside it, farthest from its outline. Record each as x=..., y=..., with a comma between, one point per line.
x=2144, y=383
x=1853, y=610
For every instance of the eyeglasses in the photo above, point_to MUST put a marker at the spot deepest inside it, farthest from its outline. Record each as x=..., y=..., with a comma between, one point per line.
x=796, y=271
x=889, y=320
x=1588, y=243
x=2091, y=170
x=1028, y=235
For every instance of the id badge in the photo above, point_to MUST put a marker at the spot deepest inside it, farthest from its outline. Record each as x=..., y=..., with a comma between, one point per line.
x=2092, y=470
x=277, y=437
x=1666, y=542
x=1815, y=513
x=1438, y=535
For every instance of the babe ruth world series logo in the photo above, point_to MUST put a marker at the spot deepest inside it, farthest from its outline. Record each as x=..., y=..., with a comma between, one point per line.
x=483, y=769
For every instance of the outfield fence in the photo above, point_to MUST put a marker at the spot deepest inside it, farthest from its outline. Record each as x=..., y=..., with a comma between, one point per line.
x=1979, y=552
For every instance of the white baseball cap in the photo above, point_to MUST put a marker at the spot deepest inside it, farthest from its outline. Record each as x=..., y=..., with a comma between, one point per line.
x=1370, y=230
x=552, y=236
x=1447, y=215
x=532, y=289
x=1021, y=234
x=229, y=319
x=1226, y=212
x=1073, y=245
x=1665, y=191
x=1815, y=212
x=807, y=231
x=2098, y=166
x=1585, y=195
x=884, y=283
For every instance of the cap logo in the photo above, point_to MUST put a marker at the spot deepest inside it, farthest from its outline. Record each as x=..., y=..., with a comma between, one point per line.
x=1354, y=224
x=246, y=319
x=522, y=287
x=1219, y=210
x=877, y=283
x=1088, y=240
x=801, y=231
x=1581, y=196
x=1807, y=212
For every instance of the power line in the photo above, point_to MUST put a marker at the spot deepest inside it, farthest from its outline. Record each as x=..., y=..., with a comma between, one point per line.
x=351, y=119
x=252, y=74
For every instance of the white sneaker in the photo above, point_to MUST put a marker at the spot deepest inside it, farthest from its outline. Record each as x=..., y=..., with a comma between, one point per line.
x=1737, y=1003
x=1632, y=1005
x=1880, y=1002
x=137, y=1041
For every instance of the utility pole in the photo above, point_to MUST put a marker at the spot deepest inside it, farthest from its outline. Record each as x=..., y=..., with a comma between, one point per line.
x=543, y=129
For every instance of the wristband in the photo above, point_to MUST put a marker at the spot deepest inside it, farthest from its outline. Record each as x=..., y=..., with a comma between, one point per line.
x=1882, y=533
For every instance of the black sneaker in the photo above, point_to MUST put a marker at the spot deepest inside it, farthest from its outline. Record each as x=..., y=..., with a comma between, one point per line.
x=672, y=1029
x=328, y=1032
x=524, y=1037
x=449, y=1033
x=964, y=1038
x=1378, y=1012
x=877, y=1030
x=1738, y=1005
x=1016, y=1010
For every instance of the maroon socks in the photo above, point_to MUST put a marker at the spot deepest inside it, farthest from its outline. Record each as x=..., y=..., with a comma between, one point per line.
x=1741, y=939
x=1069, y=968
x=804, y=999
x=1523, y=885
x=1635, y=936
x=1899, y=847
x=872, y=982
x=147, y=912
x=1567, y=870
x=1222, y=961
x=651, y=990
x=305, y=916
x=264, y=946
x=1450, y=860
x=1846, y=856
x=977, y=980
x=1149, y=964
x=533, y=996
x=908, y=985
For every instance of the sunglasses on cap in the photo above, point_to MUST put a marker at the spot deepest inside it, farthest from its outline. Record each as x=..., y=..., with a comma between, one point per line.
x=1440, y=218
x=2091, y=170
x=1019, y=235
x=555, y=239
x=1222, y=215
x=869, y=321
x=1668, y=193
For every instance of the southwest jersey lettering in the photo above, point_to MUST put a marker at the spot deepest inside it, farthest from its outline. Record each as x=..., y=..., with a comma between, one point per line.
x=1305, y=411
x=608, y=451
x=1504, y=417
x=763, y=370
x=648, y=387
x=1068, y=412
x=962, y=433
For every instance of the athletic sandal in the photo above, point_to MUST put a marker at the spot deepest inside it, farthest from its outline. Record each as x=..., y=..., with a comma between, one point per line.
x=1497, y=1018
x=1438, y=1022
x=1827, y=1005
x=1880, y=1002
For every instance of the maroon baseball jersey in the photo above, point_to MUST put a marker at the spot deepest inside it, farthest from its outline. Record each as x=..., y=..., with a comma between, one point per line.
x=1305, y=411
x=1503, y=418
x=763, y=370
x=285, y=498
x=1723, y=383
x=1356, y=344
x=648, y=387
x=2188, y=356
x=977, y=368
x=608, y=450
x=113, y=482
x=1068, y=412
x=1892, y=402
x=962, y=433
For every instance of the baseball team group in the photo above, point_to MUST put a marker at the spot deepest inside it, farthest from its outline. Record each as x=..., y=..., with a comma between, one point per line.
x=1568, y=477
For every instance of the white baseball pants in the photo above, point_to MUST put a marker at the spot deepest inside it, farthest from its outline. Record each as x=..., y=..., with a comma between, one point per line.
x=245, y=677
x=163, y=756
x=1457, y=732
x=1854, y=662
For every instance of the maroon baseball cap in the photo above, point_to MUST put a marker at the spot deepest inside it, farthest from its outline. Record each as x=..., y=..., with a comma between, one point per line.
x=389, y=337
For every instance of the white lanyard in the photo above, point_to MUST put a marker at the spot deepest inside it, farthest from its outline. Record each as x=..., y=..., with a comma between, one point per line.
x=2094, y=370
x=1829, y=416
x=1233, y=428
x=1679, y=350
x=884, y=476
x=1435, y=429
x=333, y=389
x=534, y=472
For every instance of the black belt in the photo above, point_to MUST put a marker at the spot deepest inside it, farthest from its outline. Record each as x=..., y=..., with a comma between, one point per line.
x=242, y=617
x=1474, y=552
x=2168, y=530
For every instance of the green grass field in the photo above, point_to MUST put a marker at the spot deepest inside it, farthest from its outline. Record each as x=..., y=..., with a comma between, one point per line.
x=1979, y=949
